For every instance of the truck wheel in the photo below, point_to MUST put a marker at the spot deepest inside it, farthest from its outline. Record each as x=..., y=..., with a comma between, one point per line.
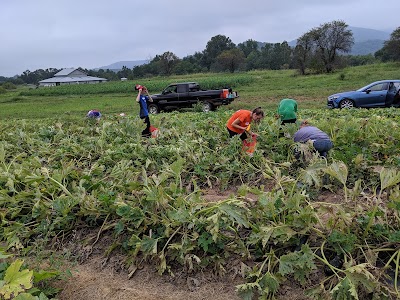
x=154, y=109
x=207, y=106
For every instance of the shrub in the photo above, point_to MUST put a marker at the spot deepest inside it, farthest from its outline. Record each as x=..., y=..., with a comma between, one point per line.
x=9, y=86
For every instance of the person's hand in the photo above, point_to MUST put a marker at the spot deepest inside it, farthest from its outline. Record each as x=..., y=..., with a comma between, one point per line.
x=254, y=134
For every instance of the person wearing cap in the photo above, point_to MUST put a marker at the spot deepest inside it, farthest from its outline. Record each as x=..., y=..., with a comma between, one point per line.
x=94, y=114
x=240, y=121
x=142, y=98
x=321, y=141
x=287, y=110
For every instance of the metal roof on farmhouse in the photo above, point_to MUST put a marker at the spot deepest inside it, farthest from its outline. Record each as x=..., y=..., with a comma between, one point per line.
x=71, y=75
x=72, y=79
x=67, y=71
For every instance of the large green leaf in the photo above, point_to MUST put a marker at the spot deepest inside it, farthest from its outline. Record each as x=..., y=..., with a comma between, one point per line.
x=15, y=281
x=236, y=211
x=300, y=264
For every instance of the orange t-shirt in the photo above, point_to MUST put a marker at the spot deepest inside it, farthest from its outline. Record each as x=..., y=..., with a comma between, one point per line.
x=244, y=117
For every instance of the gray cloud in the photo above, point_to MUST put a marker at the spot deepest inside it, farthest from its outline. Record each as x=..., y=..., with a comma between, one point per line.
x=71, y=33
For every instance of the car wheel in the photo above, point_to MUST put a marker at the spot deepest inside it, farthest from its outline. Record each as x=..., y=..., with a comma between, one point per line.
x=154, y=109
x=207, y=106
x=346, y=103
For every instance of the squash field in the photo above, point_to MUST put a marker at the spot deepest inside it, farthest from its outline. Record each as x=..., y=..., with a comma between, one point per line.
x=332, y=225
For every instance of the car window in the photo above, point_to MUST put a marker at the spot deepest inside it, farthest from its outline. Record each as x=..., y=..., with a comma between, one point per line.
x=392, y=87
x=194, y=87
x=379, y=87
x=170, y=89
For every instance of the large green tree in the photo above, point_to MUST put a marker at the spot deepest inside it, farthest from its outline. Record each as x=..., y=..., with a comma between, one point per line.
x=168, y=61
x=391, y=48
x=253, y=60
x=248, y=46
x=215, y=47
x=231, y=59
x=281, y=55
x=303, y=52
x=328, y=41
x=331, y=38
x=37, y=75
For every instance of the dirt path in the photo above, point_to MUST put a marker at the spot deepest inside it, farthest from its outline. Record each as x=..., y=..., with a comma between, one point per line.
x=88, y=282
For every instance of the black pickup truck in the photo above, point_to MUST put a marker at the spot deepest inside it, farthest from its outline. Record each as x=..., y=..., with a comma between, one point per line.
x=187, y=94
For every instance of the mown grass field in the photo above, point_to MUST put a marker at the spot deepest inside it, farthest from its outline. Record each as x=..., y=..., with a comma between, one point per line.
x=259, y=88
x=329, y=226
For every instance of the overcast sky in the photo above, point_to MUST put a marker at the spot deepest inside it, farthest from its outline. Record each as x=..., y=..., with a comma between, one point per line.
x=41, y=34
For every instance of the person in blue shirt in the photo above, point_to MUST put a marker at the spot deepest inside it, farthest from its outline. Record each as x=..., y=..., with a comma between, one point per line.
x=142, y=98
x=321, y=141
x=94, y=114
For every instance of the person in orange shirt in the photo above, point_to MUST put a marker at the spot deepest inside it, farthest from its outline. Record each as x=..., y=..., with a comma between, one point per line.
x=240, y=120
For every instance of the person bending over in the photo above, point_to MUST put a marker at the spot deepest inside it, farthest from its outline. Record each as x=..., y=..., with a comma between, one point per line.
x=287, y=110
x=321, y=141
x=240, y=120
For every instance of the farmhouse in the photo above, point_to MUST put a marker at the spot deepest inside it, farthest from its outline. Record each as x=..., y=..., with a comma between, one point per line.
x=70, y=76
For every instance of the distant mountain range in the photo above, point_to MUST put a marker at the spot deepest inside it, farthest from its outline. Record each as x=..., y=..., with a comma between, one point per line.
x=117, y=66
x=366, y=41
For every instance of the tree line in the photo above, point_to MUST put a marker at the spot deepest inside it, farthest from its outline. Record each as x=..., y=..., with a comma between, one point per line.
x=321, y=49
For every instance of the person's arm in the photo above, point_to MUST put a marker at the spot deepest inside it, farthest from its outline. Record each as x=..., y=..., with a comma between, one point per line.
x=148, y=95
x=236, y=123
x=138, y=95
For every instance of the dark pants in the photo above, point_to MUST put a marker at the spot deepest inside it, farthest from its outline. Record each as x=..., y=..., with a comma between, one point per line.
x=146, y=132
x=288, y=121
x=323, y=146
x=243, y=135
x=281, y=133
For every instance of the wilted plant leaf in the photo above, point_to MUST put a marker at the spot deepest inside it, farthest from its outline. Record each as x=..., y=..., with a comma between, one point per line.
x=130, y=214
x=269, y=283
x=345, y=289
x=389, y=177
x=339, y=171
x=312, y=175
x=149, y=245
x=15, y=281
x=246, y=290
x=299, y=264
x=235, y=210
x=360, y=275
x=27, y=296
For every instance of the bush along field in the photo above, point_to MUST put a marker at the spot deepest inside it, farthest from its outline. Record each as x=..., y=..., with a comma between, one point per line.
x=331, y=226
